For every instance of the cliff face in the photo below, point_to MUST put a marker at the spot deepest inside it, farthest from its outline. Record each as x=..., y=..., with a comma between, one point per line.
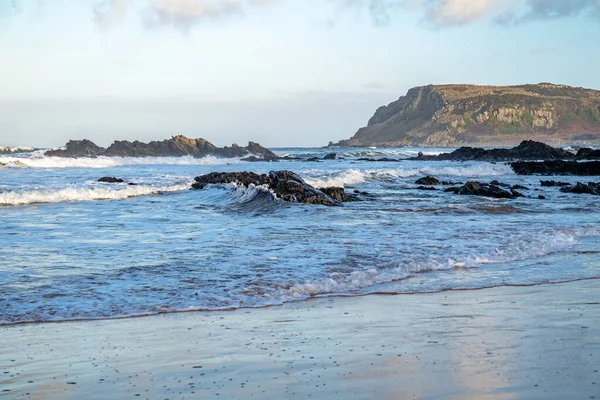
x=457, y=115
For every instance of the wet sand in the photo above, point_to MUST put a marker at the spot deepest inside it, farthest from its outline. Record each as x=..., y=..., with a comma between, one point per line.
x=501, y=343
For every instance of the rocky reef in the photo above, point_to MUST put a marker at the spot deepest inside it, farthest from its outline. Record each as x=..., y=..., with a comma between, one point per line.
x=556, y=167
x=527, y=150
x=177, y=146
x=286, y=185
x=486, y=116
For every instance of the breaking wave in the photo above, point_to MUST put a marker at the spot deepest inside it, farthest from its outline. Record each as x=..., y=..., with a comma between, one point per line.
x=107, y=162
x=518, y=249
x=355, y=176
x=24, y=197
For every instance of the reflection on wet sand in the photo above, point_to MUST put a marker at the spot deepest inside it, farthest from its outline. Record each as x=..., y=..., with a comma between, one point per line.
x=500, y=343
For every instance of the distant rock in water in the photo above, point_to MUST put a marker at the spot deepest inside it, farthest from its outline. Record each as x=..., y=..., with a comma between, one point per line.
x=588, y=154
x=557, y=167
x=484, y=116
x=177, y=146
x=287, y=185
x=110, y=179
x=527, y=150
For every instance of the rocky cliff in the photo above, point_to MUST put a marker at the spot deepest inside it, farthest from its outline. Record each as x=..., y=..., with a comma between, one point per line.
x=177, y=146
x=456, y=115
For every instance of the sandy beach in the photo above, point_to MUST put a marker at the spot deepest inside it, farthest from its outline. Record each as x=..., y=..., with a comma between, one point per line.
x=499, y=343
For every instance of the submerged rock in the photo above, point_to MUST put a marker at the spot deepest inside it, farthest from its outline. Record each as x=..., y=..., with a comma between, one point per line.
x=330, y=156
x=287, y=185
x=557, y=167
x=582, y=188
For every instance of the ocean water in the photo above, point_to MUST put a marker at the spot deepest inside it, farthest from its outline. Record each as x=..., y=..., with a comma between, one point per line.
x=73, y=248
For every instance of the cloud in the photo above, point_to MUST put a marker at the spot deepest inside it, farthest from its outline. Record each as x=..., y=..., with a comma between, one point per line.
x=179, y=13
x=443, y=13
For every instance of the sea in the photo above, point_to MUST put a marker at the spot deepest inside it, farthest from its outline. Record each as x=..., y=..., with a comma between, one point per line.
x=73, y=248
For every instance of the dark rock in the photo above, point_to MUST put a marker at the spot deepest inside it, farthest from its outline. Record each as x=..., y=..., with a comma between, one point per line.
x=554, y=183
x=242, y=178
x=520, y=187
x=527, y=150
x=426, y=188
x=177, y=146
x=361, y=193
x=110, y=179
x=384, y=159
x=337, y=193
x=500, y=184
x=487, y=190
x=313, y=159
x=515, y=193
x=428, y=181
x=330, y=156
x=588, y=154
x=450, y=183
x=541, y=197
x=287, y=185
x=453, y=189
x=582, y=188
x=260, y=159
x=557, y=167
x=77, y=148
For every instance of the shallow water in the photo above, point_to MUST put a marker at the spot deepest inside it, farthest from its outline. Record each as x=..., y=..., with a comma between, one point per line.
x=73, y=248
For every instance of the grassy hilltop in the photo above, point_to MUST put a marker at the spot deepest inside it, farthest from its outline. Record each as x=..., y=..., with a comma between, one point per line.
x=456, y=115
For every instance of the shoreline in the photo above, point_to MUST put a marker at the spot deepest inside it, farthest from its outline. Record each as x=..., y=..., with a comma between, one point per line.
x=308, y=299
x=503, y=342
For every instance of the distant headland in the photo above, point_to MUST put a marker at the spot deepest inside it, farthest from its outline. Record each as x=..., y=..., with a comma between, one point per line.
x=457, y=115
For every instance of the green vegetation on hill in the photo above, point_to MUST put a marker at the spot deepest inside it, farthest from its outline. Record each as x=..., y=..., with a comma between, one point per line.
x=456, y=115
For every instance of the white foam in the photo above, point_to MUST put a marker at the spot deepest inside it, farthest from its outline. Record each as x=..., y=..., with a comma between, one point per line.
x=23, y=197
x=339, y=179
x=37, y=160
x=15, y=149
x=518, y=249
x=355, y=176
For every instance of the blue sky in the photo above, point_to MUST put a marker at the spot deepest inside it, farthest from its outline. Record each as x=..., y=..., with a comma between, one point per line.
x=281, y=72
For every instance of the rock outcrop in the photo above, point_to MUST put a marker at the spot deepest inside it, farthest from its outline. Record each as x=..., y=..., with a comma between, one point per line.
x=527, y=150
x=177, y=146
x=582, y=188
x=557, y=167
x=485, y=116
x=485, y=189
x=287, y=185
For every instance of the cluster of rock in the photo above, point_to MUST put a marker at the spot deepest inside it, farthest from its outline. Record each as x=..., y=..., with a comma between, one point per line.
x=287, y=185
x=177, y=146
x=492, y=189
x=582, y=188
x=527, y=150
x=556, y=167
x=501, y=190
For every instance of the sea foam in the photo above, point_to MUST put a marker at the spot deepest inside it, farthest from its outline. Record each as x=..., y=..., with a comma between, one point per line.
x=39, y=161
x=356, y=176
x=24, y=197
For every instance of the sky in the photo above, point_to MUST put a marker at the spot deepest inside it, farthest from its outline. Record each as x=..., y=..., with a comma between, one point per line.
x=279, y=72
